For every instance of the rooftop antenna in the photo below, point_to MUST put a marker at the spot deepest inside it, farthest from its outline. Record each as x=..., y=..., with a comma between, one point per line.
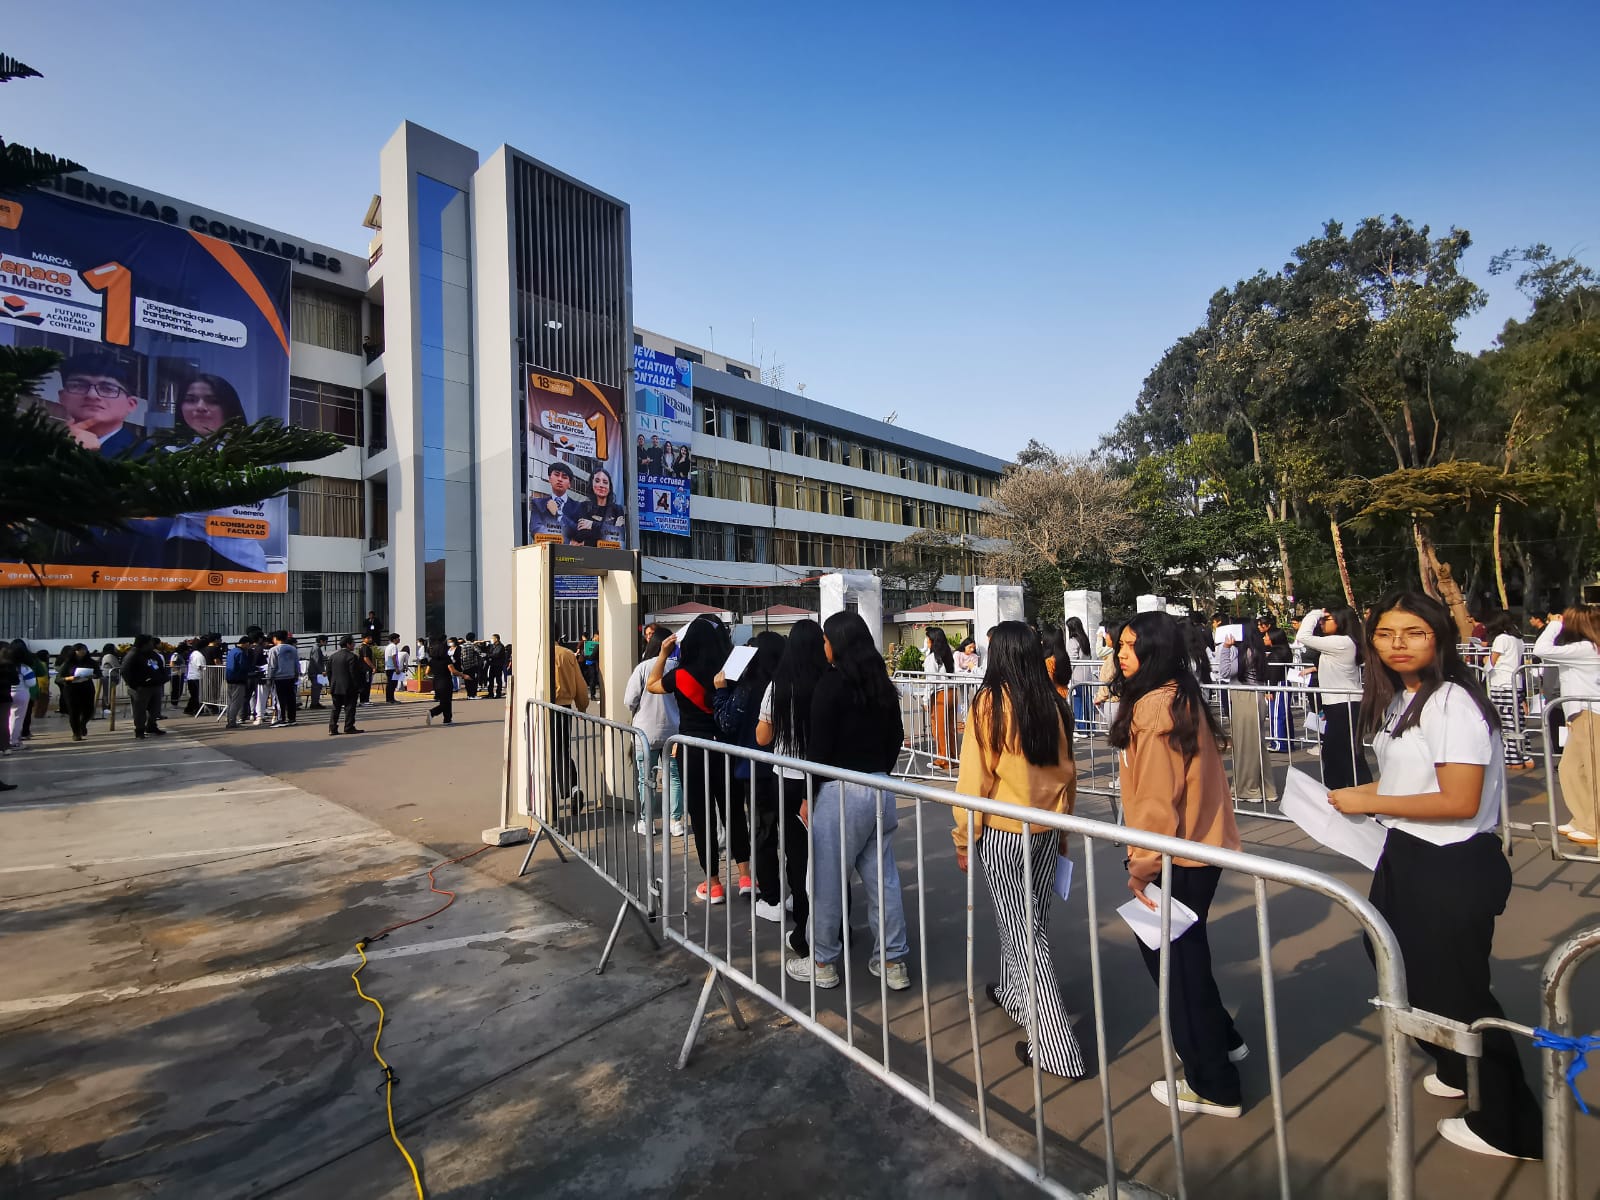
x=892, y=417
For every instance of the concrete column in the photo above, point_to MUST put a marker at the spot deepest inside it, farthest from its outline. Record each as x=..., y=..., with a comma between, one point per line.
x=991, y=604
x=1150, y=604
x=1085, y=605
x=863, y=587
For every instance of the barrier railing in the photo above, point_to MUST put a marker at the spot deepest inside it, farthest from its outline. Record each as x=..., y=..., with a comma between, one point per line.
x=732, y=946
x=1568, y=750
x=583, y=798
x=933, y=710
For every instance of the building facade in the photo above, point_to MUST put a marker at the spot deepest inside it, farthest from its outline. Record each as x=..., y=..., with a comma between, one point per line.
x=418, y=355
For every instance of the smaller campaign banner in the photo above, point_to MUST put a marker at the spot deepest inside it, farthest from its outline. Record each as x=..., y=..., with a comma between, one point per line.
x=663, y=414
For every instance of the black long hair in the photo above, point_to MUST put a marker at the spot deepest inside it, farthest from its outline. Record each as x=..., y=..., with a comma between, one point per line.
x=1055, y=649
x=1162, y=660
x=1381, y=685
x=758, y=672
x=1348, y=622
x=804, y=662
x=1196, y=642
x=652, y=648
x=939, y=647
x=1016, y=673
x=1502, y=622
x=703, y=649
x=1080, y=637
x=1253, y=654
x=856, y=658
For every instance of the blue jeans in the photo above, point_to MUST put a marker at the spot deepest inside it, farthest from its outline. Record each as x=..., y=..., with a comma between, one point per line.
x=649, y=802
x=857, y=832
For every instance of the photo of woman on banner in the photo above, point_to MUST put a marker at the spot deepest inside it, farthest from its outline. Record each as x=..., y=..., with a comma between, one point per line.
x=222, y=539
x=600, y=520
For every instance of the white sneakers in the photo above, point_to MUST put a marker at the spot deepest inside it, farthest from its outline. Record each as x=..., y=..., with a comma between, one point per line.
x=676, y=828
x=800, y=969
x=1573, y=834
x=899, y=977
x=1455, y=1131
x=1435, y=1086
x=769, y=912
x=1190, y=1101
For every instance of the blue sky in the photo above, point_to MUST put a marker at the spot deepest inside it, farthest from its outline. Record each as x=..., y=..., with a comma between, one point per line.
x=992, y=219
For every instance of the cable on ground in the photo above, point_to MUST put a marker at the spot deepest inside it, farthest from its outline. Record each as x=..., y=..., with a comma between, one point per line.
x=390, y=1079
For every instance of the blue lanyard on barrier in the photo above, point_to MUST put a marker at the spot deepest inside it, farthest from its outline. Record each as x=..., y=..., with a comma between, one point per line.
x=1543, y=1039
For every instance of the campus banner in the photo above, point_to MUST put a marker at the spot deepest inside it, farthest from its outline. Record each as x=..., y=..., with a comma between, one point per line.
x=166, y=335
x=663, y=414
x=574, y=462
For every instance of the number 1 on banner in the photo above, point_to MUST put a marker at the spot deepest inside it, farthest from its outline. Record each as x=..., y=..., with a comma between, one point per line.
x=115, y=281
x=597, y=423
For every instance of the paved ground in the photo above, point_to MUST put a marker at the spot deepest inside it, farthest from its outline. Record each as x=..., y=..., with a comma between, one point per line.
x=521, y=1071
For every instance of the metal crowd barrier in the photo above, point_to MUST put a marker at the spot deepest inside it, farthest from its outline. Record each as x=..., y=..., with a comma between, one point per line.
x=739, y=948
x=1569, y=753
x=213, y=691
x=583, y=798
x=933, y=709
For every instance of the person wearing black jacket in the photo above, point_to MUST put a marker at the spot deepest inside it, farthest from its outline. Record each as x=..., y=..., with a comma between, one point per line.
x=77, y=675
x=144, y=670
x=317, y=670
x=855, y=726
x=346, y=677
x=495, y=656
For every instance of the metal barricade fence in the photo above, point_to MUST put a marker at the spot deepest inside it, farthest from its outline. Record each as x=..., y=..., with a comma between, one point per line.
x=1569, y=752
x=213, y=690
x=933, y=710
x=737, y=948
x=584, y=797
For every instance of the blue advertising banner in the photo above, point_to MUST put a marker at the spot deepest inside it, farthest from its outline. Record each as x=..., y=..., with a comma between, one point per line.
x=663, y=408
x=166, y=335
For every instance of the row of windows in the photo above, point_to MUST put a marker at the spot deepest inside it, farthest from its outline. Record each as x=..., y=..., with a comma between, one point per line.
x=756, y=485
x=718, y=416
x=327, y=319
x=323, y=507
x=717, y=541
x=742, y=601
x=326, y=406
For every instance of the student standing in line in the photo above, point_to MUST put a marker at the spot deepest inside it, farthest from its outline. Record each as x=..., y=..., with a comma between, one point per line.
x=194, y=671
x=77, y=675
x=855, y=726
x=1081, y=651
x=1572, y=642
x=391, y=668
x=1018, y=749
x=1442, y=879
x=1173, y=783
x=144, y=671
x=1336, y=636
x=237, y=673
x=785, y=728
x=656, y=717
x=1058, y=660
x=1280, y=714
x=1252, y=774
x=283, y=668
x=317, y=669
x=738, y=712
x=178, y=666
x=939, y=659
x=694, y=679
x=1505, y=663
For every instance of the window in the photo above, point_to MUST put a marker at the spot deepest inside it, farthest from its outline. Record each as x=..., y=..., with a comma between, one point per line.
x=708, y=418
x=774, y=435
x=735, y=369
x=690, y=355
x=326, y=406
x=741, y=427
x=797, y=439
x=377, y=423
x=638, y=339
x=323, y=507
x=378, y=537
x=326, y=319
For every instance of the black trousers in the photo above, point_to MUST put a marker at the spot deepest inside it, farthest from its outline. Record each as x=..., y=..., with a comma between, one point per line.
x=390, y=680
x=443, y=702
x=146, y=704
x=778, y=801
x=194, y=696
x=177, y=686
x=471, y=683
x=343, y=702
x=288, y=704
x=1344, y=758
x=1441, y=902
x=496, y=683
x=705, y=794
x=1202, y=1029
x=80, y=706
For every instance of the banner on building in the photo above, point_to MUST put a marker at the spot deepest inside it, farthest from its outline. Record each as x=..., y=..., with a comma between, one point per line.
x=166, y=335
x=575, y=462
x=663, y=415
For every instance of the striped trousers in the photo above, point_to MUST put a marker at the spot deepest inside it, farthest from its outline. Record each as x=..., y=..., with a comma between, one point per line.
x=1055, y=1048
x=1505, y=702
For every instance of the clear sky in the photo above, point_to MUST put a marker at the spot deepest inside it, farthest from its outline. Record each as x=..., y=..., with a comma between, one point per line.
x=991, y=218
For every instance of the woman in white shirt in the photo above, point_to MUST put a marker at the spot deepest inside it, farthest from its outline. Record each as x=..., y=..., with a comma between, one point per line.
x=939, y=659
x=1442, y=878
x=1336, y=637
x=1505, y=659
x=1572, y=642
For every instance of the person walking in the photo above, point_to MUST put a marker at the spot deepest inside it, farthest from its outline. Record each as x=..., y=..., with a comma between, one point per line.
x=693, y=680
x=368, y=653
x=855, y=726
x=1503, y=680
x=1018, y=749
x=110, y=677
x=391, y=668
x=591, y=662
x=1173, y=783
x=144, y=671
x=1442, y=878
x=1572, y=642
x=784, y=728
x=495, y=663
x=1335, y=636
x=656, y=717
x=347, y=675
x=283, y=668
x=470, y=660
x=317, y=669
x=193, y=672
x=443, y=674
x=77, y=674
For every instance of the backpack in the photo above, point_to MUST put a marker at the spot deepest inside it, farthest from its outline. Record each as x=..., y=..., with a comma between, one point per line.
x=236, y=667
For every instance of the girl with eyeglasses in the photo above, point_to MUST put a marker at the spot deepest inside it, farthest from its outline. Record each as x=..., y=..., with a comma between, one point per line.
x=1442, y=878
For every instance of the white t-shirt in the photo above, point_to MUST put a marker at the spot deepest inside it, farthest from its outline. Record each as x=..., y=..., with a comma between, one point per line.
x=782, y=745
x=1452, y=730
x=391, y=658
x=1503, y=674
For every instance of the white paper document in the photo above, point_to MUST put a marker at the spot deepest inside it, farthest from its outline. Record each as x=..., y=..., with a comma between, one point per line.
x=1063, y=876
x=1146, y=922
x=83, y=673
x=1305, y=802
x=737, y=662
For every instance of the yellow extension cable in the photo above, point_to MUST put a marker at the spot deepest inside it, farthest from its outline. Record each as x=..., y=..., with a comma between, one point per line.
x=388, y=1074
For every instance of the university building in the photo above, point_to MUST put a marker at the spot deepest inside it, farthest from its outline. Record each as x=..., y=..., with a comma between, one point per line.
x=417, y=352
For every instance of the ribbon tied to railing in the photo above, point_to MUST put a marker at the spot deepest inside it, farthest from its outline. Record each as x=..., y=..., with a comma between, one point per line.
x=1578, y=1047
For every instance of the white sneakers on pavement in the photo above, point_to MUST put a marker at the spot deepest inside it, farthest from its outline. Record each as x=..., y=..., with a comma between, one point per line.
x=1190, y=1101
